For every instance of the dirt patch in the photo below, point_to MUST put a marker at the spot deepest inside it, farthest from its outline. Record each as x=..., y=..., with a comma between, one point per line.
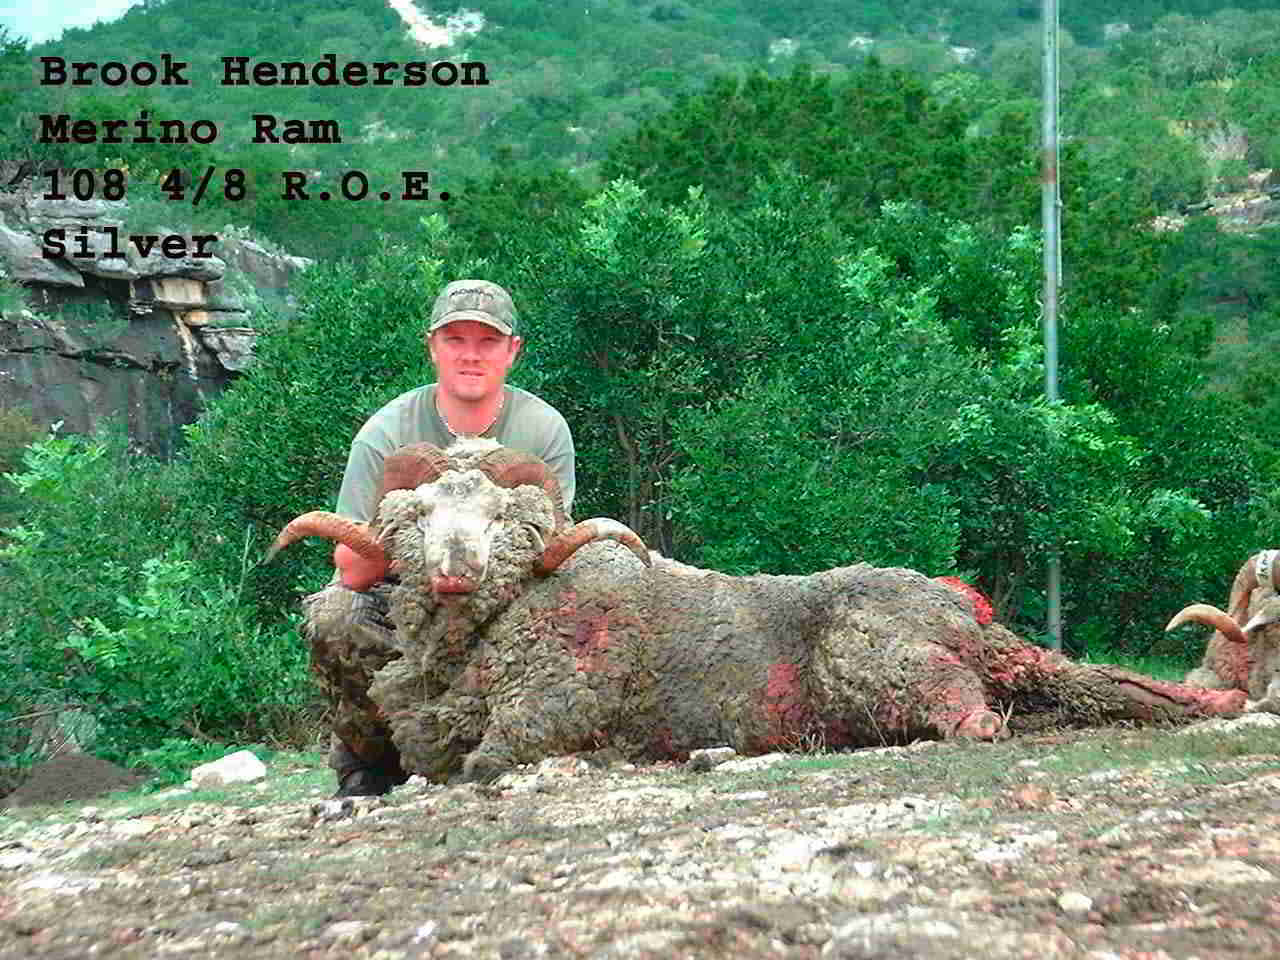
x=1102, y=845
x=70, y=777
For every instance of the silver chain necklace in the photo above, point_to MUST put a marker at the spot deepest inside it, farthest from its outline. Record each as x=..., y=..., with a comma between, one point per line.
x=458, y=434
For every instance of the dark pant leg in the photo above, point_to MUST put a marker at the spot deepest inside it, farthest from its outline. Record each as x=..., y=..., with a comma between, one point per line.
x=350, y=638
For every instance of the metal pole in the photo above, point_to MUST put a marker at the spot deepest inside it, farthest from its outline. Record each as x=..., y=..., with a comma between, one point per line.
x=1050, y=203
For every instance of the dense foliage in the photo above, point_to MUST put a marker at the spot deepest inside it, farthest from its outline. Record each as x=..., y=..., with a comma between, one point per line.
x=111, y=626
x=751, y=390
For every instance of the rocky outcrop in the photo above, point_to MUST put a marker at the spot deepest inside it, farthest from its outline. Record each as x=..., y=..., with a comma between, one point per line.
x=1255, y=206
x=121, y=319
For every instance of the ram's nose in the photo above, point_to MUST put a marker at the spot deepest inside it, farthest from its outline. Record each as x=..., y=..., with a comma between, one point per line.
x=458, y=571
x=459, y=561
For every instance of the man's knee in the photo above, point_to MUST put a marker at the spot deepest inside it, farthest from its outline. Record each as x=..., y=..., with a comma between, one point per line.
x=337, y=614
x=331, y=610
x=350, y=637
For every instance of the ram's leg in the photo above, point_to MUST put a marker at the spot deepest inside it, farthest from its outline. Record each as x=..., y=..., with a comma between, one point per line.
x=488, y=761
x=546, y=718
x=558, y=680
x=432, y=733
x=957, y=702
x=869, y=693
x=1061, y=690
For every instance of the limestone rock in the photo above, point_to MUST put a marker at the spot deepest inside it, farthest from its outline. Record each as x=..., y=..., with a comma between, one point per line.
x=20, y=256
x=233, y=346
x=146, y=338
x=239, y=767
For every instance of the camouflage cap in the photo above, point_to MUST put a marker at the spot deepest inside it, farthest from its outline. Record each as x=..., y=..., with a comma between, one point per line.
x=477, y=300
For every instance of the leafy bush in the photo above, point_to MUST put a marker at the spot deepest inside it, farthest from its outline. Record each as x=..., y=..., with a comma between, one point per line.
x=763, y=491
x=752, y=390
x=178, y=656
x=105, y=613
x=17, y=429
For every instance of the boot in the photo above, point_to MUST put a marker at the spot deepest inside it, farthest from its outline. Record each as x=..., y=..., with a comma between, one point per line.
x=368, y=782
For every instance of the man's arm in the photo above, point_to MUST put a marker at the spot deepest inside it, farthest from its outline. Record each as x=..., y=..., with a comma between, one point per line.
x=357, y=497
x=356, y=501
x=559, y=456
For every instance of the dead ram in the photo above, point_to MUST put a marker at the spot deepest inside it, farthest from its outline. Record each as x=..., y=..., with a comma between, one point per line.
x=522, y=637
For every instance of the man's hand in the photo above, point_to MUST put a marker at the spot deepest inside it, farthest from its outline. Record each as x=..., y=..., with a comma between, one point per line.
x=355, y=572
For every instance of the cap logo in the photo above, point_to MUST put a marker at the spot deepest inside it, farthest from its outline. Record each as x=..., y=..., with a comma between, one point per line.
x=484, y=301
x=468, y=293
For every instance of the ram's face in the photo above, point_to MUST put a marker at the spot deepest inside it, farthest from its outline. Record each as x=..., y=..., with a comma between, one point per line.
x=460, y=513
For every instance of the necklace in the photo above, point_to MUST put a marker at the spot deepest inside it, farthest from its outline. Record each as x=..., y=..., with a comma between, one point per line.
x=458, y=434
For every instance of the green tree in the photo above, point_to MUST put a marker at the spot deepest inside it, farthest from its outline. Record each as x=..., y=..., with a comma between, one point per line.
x=103, y=612
x=621, y=340
x=877, y=135
x=1254, y=106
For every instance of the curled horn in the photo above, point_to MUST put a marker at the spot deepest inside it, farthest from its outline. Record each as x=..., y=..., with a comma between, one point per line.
x=580, y=534
x=511, y=468
x=1210, y=616
x=322, y=523
x=412, y=465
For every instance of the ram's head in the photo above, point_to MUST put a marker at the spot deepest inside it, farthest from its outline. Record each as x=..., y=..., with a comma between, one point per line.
x=444, y=514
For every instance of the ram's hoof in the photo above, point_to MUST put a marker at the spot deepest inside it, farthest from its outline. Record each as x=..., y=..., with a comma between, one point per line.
x=981, y=724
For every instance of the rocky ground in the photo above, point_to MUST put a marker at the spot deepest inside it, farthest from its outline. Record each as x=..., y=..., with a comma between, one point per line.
x=1097, y=844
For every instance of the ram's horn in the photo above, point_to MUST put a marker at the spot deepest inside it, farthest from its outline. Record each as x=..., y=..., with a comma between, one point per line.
x=1210, y=616
x=579, y=535
x=412, y=466
x=512, y=468
x=322, y=523
x=1268, y=613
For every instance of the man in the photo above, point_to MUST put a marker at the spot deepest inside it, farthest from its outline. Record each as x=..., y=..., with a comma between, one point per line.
x=472, y=341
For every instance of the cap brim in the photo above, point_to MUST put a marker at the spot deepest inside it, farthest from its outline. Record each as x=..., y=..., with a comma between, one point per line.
x=488, y=319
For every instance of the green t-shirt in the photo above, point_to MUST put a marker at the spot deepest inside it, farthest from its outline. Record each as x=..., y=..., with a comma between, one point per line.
x=526, y=423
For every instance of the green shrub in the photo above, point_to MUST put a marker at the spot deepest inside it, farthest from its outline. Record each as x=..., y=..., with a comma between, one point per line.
x=177, y=655
x=764, y=491
x=103, y=611
x=752, y=390
x=17, y=429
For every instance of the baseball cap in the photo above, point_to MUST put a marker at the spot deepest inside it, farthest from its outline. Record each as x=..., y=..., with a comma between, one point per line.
x=477, y=300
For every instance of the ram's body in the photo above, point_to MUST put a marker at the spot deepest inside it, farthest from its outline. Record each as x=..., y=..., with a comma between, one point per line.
x=520, y=659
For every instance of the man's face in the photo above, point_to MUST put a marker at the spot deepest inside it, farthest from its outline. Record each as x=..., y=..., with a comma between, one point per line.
x=472, y=359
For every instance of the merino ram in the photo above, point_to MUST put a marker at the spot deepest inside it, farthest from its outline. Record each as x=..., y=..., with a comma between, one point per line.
x=1244, y=651
x=521, y=637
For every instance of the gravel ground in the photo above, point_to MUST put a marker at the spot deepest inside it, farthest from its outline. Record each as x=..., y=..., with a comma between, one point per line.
x=1098, y=844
